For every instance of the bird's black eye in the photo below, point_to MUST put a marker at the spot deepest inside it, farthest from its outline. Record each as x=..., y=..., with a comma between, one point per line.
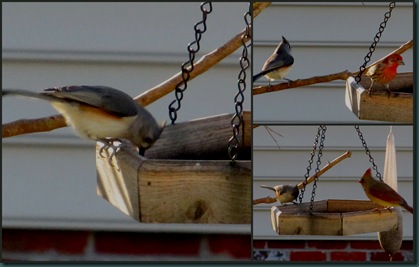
x=148, y=140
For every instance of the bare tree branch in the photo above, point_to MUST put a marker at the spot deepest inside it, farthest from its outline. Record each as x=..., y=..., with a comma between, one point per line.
x=268, y=200
x=26, y=126
x=207, y=61
x=322, y=79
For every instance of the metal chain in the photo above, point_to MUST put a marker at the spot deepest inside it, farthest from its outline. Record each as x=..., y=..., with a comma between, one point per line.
x=319, y=155
x=377, y=37
x=188, y=66
x=368, y=152
x=237, y=119
x=310, y=162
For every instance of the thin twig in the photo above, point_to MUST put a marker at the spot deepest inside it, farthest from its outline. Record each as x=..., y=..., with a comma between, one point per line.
x=268, y=200
x=329, y=165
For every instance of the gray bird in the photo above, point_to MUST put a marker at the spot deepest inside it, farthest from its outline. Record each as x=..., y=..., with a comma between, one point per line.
x=101, y=113
x=284, y=193
x=278, y=64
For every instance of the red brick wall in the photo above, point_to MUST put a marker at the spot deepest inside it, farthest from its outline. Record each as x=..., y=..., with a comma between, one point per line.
x=329, y=250
x=56, y=245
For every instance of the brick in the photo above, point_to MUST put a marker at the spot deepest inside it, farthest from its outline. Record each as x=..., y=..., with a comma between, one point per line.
x=307, y=256
x=66, y=242
x=237, y=246
x=407, y=245
x=327, y=244
x=286, y=243
x=383, y=256
x=374, y=245
x=259, y=244
x=348, y=256
x=147, y=243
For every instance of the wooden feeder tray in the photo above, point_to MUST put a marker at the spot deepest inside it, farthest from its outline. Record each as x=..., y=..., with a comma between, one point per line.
x=379, y=106
x=180, y=181
x=332, y=217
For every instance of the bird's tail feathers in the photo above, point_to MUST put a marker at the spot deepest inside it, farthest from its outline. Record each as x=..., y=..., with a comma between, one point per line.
x=408, y=208
x=268, y=187
x=26, y=93
x=257, y=76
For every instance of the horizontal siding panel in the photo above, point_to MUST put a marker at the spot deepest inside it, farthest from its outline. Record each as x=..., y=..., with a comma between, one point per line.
x=313, y=22
x=129, y=27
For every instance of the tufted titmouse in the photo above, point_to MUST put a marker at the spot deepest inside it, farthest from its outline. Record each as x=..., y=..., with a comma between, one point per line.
x=278, y=64
x=101, y=113
x=284, y=193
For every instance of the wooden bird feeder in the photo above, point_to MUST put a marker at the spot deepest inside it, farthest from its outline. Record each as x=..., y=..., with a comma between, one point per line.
x=332, y=217
x=181, y=179
x=398, y=107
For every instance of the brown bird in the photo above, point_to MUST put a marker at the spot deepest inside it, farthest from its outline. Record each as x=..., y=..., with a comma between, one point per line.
x=284, y=193
x=381, y=193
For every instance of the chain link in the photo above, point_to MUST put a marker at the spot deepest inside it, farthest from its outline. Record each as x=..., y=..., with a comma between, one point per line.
x=323, y=129
x=377, y=37
x=310, y=162
x=368, y=152
x=237, y=119
x=188, y=66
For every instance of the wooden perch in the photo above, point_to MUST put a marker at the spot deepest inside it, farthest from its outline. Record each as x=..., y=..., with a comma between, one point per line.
x=203, y=138
x=344, y=75
x=206, y=62
x=268, y=200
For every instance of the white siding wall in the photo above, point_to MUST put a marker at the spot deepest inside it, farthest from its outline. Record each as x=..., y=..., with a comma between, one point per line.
x=326, y=38
x=49, y=179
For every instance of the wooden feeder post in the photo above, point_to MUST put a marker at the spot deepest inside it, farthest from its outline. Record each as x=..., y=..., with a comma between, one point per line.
x=179, y=190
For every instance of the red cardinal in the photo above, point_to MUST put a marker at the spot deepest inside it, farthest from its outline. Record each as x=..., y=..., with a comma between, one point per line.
x=385, y=71
x=381, y=193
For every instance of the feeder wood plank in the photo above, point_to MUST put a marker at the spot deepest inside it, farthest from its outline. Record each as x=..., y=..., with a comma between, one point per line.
x=195, y=192
x=331, y=217
x=171, y=189
x=204, y=138
x=379, y=106
x=176, y=191
x=119, y=185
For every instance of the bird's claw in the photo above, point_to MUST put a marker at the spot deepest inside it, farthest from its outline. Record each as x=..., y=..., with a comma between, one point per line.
x=110, y=144
x=377, y=210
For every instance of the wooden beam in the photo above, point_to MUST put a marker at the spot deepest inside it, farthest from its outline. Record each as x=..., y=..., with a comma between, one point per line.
x=398, y=107
x=175, y=190
x=204, y=138
x=332, y=217
x=195, y=192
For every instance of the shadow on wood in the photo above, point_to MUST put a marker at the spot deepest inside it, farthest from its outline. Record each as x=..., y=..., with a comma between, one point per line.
x=161, y=190
x=332, y=217
x=398, y=107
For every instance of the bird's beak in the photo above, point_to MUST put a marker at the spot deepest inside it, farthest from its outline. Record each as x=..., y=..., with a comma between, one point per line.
x=401, y=62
